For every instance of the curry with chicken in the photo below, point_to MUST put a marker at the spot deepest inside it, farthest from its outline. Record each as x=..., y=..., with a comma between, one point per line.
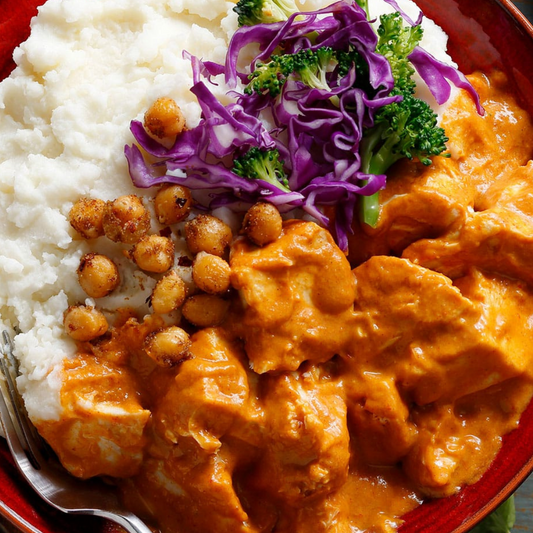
x=321, y=392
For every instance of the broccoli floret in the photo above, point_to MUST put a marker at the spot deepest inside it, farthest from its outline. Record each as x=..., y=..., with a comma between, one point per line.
x=312, y=66
x=396, y=42
x=403, y=129
x=270, y=77
x=407, y=128
x=252, y=12
x=264, y=165
x=309, y=66
x=346, y=60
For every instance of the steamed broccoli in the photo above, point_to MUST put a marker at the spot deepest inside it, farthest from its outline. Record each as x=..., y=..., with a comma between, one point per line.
x=252, y=12
x=264, y=165
x=270, y=77
x=407, y=128
x=311, y=67
x=396, y=42
x=346, y=60
x=402, y=129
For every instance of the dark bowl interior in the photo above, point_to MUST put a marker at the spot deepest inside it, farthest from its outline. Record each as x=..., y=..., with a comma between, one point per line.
x=484, y=34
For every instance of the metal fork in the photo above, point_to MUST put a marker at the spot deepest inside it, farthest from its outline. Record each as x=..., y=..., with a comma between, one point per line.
x=40, y=466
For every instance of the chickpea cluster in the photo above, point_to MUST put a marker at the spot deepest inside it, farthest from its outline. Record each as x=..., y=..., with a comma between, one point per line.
x=127, y=222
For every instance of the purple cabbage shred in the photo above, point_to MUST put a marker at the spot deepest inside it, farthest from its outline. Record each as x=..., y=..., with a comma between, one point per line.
x=316, y=131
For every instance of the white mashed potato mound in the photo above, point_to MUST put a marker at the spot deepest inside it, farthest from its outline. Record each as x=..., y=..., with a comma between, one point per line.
x=89, y=68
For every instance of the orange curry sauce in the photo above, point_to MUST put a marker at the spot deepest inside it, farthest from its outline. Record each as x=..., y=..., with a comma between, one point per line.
x=339, y=393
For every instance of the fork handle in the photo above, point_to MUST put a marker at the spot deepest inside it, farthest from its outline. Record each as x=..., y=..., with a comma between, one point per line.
x=129, y=521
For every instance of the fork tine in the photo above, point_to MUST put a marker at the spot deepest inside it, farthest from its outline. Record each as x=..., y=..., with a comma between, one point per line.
x=35, y=442
x=23, y=428
x=6, y=417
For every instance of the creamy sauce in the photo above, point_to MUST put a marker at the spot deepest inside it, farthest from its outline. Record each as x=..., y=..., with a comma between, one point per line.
x=335, y=397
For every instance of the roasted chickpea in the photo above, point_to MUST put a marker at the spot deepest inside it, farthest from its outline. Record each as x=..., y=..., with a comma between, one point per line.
x=211, y=273
x=169, y=293
x=172, y=204
x=84, y=323
x=164, y=118
x=262, y=223
x=98, y=275
x=87, y=216
x=126, y=219
x=153, y=253
x=205, y=310
x=207, y=233
x=168, y=346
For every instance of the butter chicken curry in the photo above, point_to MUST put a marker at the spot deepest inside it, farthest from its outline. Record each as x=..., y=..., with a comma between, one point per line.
x=319, y=392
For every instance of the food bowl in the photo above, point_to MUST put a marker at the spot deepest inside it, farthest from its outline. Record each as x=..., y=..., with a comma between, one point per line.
x=484, y=34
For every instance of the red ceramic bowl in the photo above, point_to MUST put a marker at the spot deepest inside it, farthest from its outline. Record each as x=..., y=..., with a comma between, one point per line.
x=484, y=34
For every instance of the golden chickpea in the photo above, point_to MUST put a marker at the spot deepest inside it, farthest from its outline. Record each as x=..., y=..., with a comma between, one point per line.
x=153, y=253
x=87, y=216
x=84, y=323
x=169, y=293
x=262, y=223
x=164, y=118
x=207, y=233
x=211, y=273
x=168, y=346
x=98, y=275
x=205, y=310
x=172, y=204
x=126, y=219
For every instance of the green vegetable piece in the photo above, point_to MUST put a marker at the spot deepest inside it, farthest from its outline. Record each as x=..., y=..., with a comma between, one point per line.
x=311, y=67
x=258, y=164
x=396, y=42
x=270, y=77
x=346, y=60
x=500, y=521
x=252, y=12
x=407, y=128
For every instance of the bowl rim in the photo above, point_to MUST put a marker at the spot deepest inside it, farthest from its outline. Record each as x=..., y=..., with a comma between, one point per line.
x=16, y=520
x=518, y=15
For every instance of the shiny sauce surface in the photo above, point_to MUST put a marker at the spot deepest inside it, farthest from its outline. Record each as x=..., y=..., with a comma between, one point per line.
x=340, y=391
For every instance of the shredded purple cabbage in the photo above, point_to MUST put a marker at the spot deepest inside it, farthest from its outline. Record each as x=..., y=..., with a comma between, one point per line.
x=316, y=131
x=436, y=74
